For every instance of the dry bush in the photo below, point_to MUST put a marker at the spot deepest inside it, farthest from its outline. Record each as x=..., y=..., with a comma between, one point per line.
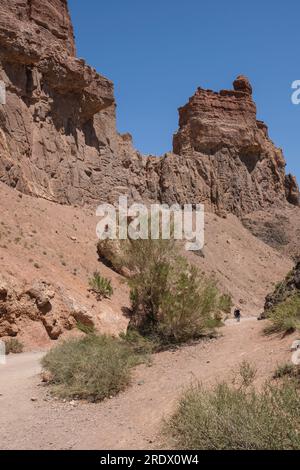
x=227, y=418
x=92, y=368
x=14, y=346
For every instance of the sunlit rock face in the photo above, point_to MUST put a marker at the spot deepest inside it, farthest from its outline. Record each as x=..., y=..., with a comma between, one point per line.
x=235, y=164
x=58, y=137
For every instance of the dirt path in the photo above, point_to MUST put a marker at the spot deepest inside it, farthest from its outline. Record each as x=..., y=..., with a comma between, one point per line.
x=133, y=419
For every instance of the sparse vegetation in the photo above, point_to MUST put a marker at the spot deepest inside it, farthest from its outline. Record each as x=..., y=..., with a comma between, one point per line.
x=139, y=343
x=285, y=316
x=87, y=329
x=92, y=368
x=227, y=418
x=14, y=346
x=171, y=301
x=101, y=286
x=247, y=373
x=287, y=370
x=225, y=303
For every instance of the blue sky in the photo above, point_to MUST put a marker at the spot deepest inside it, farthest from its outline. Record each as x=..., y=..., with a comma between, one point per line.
x=157, y=52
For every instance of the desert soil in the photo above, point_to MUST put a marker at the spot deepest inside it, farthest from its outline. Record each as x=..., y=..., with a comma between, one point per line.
x=44, y=241
x=40, y=240
x=31, y=419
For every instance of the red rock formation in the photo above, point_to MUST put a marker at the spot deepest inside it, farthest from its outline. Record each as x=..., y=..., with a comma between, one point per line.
x=58, y=137
x=32, y=27
x=233, y=163
x=59, y=112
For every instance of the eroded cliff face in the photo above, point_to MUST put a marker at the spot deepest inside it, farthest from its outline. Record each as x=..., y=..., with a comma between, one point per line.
x=59, y=113
x=222, y=156
x=235, y=164
x=58, y=137
x=31, y=27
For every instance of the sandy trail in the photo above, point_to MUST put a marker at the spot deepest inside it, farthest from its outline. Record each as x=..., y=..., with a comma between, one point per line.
x=133, y=419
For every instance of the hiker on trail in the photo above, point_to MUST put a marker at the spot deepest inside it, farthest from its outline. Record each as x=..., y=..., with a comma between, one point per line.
x=237, y=315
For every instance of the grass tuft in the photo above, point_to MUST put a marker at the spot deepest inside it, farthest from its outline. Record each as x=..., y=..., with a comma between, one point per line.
x=14, y=346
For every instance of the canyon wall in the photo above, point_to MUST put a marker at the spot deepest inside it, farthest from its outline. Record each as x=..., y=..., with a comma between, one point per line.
x=59, y=115
x=58, y=137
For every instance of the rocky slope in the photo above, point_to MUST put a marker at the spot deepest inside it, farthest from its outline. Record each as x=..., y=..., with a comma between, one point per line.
x=278, y=227
x=59, y=143
x=48, y=253
x=287, y=288
x=58, y=137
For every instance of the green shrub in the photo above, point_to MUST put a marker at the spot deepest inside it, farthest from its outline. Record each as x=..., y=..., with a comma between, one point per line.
x=225, y=303
x=287, y=370
x=171, y=301
x=285, y=316
x=91, y=368
x=87, y=329
x=14, y=346
x=188, y=307
x=140, y=344
x=226, y=418
x=101, y=286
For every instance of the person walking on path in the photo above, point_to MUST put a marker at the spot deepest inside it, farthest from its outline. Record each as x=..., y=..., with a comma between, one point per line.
x=237, y=314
